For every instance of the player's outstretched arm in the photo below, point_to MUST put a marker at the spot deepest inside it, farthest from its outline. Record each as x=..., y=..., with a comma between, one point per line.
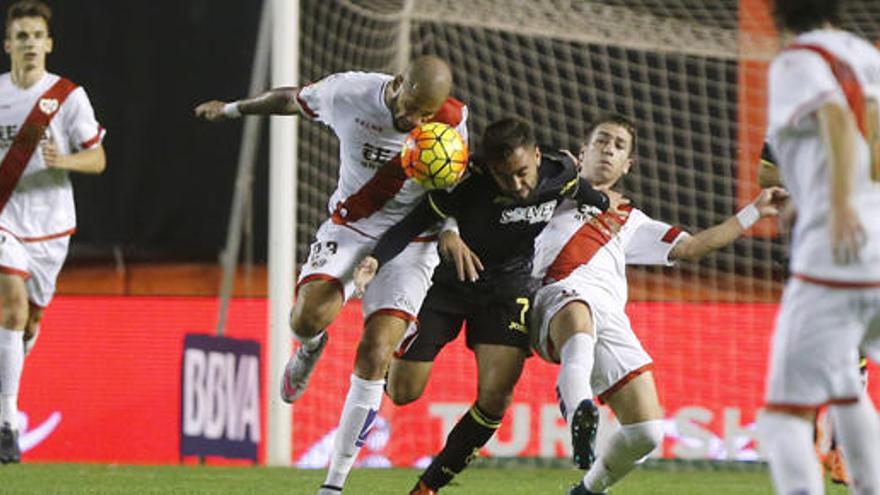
x=90, y=161
x=278, y=101
x=837, y=126
x=698, y=245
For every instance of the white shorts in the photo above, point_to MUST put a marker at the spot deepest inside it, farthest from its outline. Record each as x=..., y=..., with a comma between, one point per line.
x=820, y=330
x=398, y=288
x=619, y=355
x=38, y=262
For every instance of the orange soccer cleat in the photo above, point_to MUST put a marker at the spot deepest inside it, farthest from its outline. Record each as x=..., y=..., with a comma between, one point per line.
x=836, y=467
x=422, y=489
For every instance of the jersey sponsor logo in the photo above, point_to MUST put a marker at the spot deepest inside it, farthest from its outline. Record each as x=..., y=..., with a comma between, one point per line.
x=375, y=157
x=531, y=214
x=370, y=126
x=8, y=133
x=586, y=213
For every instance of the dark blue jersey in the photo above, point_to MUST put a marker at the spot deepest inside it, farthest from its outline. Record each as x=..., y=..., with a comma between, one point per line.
x=501, y=230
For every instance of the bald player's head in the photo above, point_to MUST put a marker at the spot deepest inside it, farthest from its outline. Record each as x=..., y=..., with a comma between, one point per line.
x=419, y=91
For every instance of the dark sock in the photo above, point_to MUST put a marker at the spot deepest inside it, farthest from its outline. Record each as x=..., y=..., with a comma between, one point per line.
x=463, y=444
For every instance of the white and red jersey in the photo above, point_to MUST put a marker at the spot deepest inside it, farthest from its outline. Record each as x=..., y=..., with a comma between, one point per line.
x=41, y=205
x=373, y=192
x=576, y=239
x=801, y=81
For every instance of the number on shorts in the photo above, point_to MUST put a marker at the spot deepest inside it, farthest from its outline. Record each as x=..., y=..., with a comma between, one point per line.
x=521, y=326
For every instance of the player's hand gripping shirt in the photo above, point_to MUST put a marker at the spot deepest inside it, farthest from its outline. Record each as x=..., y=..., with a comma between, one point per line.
x=800, y=82
x=41, y=204
x=581, y=238
x=373, y=192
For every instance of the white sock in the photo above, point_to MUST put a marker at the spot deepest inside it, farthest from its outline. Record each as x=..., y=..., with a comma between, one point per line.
x=573, y=381
x=857, y=427
x=310, y=343
x=358, y=416
x=11, y=363
x=787, y=443
x=629, y=445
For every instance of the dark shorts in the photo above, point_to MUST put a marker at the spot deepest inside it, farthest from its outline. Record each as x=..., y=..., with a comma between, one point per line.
x=493, y=312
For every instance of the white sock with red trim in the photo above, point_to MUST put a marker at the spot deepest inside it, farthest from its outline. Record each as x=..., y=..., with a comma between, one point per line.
x=576, y=366
x=358, y=416
x=858, y=432
x=626, y=448
x=11, y=364
x=787, y=443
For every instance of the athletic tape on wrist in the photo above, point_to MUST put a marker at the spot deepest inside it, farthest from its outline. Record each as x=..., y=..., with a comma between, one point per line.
x=231, y=110
x=748, y=216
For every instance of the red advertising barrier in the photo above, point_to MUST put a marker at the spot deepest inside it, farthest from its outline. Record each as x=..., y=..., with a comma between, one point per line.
x=103, y=384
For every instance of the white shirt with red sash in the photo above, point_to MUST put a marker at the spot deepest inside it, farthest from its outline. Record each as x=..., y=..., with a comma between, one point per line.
x=41, y=204
x=801, y=81
x=372, y=193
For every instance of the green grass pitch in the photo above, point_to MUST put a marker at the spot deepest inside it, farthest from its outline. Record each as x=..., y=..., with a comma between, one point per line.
x=103, y=479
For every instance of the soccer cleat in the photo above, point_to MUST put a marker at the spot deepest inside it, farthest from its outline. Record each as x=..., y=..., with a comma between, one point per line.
x=580, y=489
x=299, y=369
x=836, y=467
x=9, y=450
x=584, y=426
x=422, y=489
x=329, y=490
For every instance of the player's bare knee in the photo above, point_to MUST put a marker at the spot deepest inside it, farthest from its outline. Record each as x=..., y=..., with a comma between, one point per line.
x=494, y=402
x=403, y=392
x=315, y=308
x=373, y=357
x=14, y=308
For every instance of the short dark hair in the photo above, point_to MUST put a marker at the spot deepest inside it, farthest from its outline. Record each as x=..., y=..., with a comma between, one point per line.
x=616, y=119
x=502, y=137
x=27, y=8
x=805, y=15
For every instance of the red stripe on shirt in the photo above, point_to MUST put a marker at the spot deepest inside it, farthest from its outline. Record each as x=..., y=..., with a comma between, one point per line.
x=372, y=196
x=837, y=284
x=29, y=134
x=305, y=106
x=583, y=246
x=93, y=141
x=671, y=234
x=846, y=78
x=450, y=113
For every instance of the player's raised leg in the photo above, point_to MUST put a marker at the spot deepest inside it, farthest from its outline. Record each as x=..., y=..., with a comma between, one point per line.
x=381, y=334
x=13, y=301
x=317, y=304
x=571, y=331
x=637, y=407
x=498, y=368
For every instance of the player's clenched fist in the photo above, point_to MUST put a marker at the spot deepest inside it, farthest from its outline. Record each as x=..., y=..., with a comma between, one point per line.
x=51, y=157
x=213, y=111
x=363, y=275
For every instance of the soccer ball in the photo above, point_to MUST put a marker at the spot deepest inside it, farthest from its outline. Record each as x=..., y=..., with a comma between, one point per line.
x=434, y=155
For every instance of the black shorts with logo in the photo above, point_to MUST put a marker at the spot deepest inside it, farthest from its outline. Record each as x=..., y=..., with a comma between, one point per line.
x=494, y=310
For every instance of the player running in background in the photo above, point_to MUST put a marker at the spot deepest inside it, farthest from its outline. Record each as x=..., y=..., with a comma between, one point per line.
x=371, y=115
x=822, y=126
x=827, y=447
x=47, y=129
x=484, y=281
x=579, y=318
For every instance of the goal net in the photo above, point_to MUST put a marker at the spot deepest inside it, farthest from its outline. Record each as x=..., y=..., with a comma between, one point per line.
x=690, y=73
